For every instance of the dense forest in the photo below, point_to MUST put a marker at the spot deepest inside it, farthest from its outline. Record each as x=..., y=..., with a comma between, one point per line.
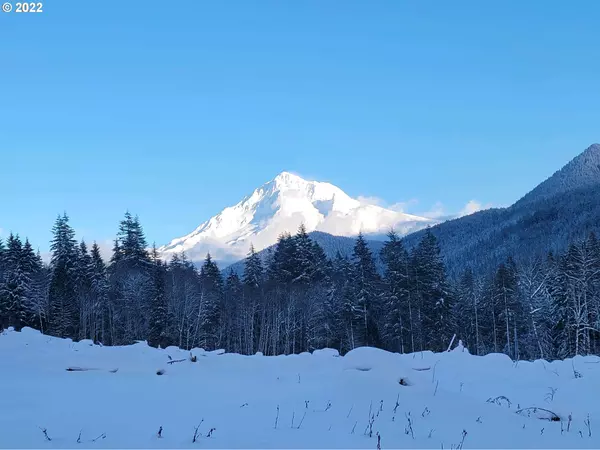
x=299, y=300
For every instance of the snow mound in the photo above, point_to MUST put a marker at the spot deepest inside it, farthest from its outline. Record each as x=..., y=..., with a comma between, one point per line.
x=113, y=398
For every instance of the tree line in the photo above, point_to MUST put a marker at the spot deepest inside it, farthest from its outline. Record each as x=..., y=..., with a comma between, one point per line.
x=297, y=299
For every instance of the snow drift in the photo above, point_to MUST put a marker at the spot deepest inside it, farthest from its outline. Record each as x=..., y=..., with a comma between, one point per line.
x=318, y=400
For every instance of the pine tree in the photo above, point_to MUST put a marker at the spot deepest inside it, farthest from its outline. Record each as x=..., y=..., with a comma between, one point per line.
x=83, y=268
x=34, y=306
x=284, y=267
x=366, y=291
x=253, y=281
x=253, y=270
x=307, y=258
x=159, y=317
x=99, y=297
x=232, y=321
x=211, y=305
x=434, y=295
x=132, y=241
x=64, y=310
x=468, y=310
x=130, y=281
x=3, y=301
x=14, y=288
x=397, y=321
x=507, y=297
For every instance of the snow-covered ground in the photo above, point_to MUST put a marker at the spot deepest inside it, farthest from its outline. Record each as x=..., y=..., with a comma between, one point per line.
x=318, y=400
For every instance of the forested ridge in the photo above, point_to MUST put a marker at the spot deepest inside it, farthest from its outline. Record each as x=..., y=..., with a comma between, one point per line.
x=298, y=299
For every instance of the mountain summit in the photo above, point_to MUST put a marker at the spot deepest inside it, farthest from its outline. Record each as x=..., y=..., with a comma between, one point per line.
x=583, y=171
x=281, y=205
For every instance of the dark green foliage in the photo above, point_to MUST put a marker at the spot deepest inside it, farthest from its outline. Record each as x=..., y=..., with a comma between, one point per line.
x=211, y=306
x=397, y=296
x=159, y=326
x=433, y=296
x=63, y=305
x=544, y=307
x=365, y=297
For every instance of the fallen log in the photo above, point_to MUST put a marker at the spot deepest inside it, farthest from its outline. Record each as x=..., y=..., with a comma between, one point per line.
x=175, y=361
x=86, y=369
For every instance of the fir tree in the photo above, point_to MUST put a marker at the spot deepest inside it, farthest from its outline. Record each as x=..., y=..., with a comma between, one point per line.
x=211, y=304
x=233, y=318
x=64, y=310
x=159, y=316
x=397, y=308
x=130, y=281
x=99, y=297
x=468, y=310
x=15, y=286
x=434, y=295
x=253, y=281
x=303, y=257
x=253, y=270
x=366, y=292
x=83, y=269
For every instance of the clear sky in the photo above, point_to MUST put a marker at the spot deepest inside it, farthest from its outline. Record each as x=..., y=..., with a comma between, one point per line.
x=174, y=110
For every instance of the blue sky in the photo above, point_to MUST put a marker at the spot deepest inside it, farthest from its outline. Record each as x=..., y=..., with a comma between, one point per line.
x=174, y=110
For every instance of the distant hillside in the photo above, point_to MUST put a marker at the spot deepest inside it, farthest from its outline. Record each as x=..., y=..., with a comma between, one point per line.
x=563, y=208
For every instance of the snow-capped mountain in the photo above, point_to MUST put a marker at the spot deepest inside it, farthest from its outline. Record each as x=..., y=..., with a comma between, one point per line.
x=282, y=205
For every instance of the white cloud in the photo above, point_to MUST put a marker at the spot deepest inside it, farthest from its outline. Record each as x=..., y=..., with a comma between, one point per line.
x=473, y=206
x=371, y=200
x=437, y=211
x=106, y=247
x=402, y=207
x=46, y=256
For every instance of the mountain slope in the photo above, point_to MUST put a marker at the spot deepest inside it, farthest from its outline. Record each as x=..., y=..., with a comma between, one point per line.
x=560, y=210
x=281, y=205
x=581, y=172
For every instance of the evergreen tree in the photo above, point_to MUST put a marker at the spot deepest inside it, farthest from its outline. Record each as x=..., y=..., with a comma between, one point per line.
x=130, y=282
x=99, y=297
x=3, y=300
x=34, y=306
x=507, y=298
x=468, y=310
x=15, y=286
x=253, y=270
x=233, y=317
x=64, y=310
x=366, y=291
x=434, y=295
x=283, y=267
x=159, y=316
x=253, y=282
x=132, y=243
x=209, y=335
x=83, y=268
x=397, y=321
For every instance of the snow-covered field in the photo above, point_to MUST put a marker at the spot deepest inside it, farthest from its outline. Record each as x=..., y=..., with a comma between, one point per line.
x=318, y=400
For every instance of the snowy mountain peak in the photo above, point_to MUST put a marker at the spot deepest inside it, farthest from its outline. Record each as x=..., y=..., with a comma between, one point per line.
x=281, y=205
x=288, y=179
